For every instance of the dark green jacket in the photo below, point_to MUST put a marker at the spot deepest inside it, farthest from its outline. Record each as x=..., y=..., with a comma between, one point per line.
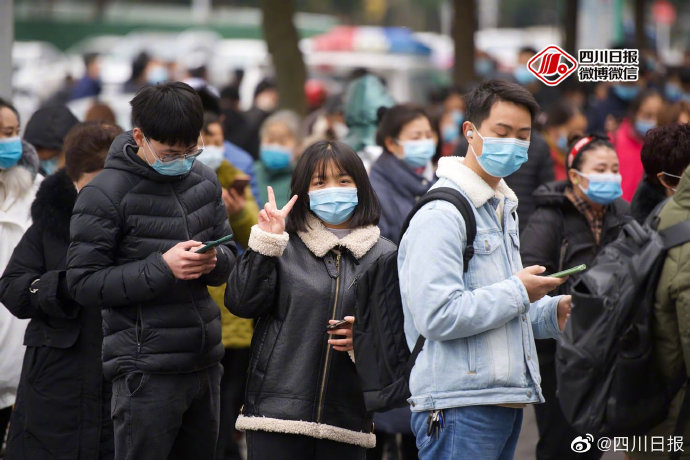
x=672, y=314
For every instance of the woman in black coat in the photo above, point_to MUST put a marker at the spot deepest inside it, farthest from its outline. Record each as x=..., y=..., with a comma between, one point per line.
x=574, y=220
x=63, y=404
x=303, y=398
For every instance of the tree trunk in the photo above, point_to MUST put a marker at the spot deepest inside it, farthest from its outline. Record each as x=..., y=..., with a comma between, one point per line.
x=570, y=22
x=282, y=41
x=640, y=36
x=464, y=26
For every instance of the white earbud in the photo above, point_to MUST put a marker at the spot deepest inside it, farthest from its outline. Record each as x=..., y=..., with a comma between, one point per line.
x=469, y=133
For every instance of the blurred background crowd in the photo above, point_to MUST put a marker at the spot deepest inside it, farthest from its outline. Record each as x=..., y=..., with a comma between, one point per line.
x=275, y=76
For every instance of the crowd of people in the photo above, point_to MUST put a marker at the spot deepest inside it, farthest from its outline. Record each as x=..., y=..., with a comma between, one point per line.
x=123, y=336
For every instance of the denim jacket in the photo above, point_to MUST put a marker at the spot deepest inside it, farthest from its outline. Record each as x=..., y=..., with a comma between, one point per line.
x=480, y=326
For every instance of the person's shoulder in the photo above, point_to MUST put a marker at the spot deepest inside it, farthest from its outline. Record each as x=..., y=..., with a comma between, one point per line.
x=385, y=245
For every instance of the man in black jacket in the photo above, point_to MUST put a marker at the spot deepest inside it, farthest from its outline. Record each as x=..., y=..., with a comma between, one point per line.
x=134, y=231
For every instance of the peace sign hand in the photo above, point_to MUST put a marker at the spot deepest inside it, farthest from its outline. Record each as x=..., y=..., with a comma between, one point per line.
x=272, y=220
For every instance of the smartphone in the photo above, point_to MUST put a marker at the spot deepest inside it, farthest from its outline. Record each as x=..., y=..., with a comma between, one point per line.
x=338, y=325
x=240, y=184
x=570, y=271
x=213, y=244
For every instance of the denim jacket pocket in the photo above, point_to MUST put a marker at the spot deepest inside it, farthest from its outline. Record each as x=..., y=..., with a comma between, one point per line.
x=471, y=355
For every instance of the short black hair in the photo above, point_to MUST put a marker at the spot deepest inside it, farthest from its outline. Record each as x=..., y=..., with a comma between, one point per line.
x=209, y=119
x=643, y=96
x=170, y=113
x=231, y=92
x=480, y=100
x=90, y=58
x=265, y=84
x=667, y=149
x=139, y=65
x=561, y=112
x=6, y=104
x=317, y=157
x=527, y=49
x=209, y=100
x=394, y=119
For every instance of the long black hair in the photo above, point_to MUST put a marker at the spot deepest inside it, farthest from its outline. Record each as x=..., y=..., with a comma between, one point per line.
x=316, y=159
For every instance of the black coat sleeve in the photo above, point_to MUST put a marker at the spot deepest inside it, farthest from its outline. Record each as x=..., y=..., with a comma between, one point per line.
x=252, y=287
x=93, y=277
x=227, y=252
x=27, y=265
x=541, y=240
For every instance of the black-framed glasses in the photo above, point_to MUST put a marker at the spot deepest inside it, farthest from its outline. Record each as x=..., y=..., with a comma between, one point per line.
x=191, y=153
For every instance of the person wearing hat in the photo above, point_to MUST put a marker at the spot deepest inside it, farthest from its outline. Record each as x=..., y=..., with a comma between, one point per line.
x=46, y=130
x=363, y=98
x=19, y=181
x=575, y=218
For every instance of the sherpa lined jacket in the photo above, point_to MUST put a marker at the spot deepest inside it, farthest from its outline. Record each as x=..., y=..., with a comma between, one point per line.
x=293, y=284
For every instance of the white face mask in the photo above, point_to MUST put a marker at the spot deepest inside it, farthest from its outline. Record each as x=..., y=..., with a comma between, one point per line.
x=212, y=156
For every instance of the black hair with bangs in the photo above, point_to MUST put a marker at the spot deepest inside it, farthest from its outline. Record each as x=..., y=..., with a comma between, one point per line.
x=316, y=159
x=170, y=113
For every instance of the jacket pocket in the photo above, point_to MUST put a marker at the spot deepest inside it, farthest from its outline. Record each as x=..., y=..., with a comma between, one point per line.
x=471, y=355
x=139, y=329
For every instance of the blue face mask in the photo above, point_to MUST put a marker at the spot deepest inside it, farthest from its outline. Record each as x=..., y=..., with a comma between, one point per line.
x=626, y=92
x=10, y=151
x=50, y=165
x=275, y=157
x=171, y=168
x=524, y=76
x=458, y=117
x=333, y=205
x=603, y=188
x=450, y=133
x=212, y=156
x=158, y=74
x=501, y=157
x=642, y=126
x=418, y=153
x=673, y=92
x=562, y=143
x=483, y=67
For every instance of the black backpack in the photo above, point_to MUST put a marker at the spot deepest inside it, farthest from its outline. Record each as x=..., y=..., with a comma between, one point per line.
x=382, y=357
x=608, y=380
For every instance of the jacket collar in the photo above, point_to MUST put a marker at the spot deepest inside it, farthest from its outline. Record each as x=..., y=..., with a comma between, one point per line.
x=399, y=176
x=682, y=195
x=320, y=241
x=478, y=191
x=53, y=204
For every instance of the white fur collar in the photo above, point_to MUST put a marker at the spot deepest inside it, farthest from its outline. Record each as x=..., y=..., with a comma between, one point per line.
x=319, y=240
x=478, y=191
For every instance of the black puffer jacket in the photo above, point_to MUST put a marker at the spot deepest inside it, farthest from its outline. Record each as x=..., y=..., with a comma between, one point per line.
x=297, y=383
x=123, y=222
x=62, y=396
x=558, y=236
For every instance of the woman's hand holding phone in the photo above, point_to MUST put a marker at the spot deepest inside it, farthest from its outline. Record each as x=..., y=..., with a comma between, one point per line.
x=344, y=330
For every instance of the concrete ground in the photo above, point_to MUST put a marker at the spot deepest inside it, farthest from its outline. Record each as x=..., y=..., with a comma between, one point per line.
x=529, y=436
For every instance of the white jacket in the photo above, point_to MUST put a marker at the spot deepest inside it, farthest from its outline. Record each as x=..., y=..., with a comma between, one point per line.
x=15, y=219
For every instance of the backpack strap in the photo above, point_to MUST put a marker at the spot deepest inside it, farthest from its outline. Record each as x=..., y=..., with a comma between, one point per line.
x=463, y=206
x=676, y=234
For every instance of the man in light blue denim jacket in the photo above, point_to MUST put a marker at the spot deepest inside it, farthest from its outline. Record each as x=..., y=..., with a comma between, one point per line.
x=478, y=367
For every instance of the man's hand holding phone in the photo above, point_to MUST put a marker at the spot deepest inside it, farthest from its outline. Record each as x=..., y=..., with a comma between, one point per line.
x=186, y=264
